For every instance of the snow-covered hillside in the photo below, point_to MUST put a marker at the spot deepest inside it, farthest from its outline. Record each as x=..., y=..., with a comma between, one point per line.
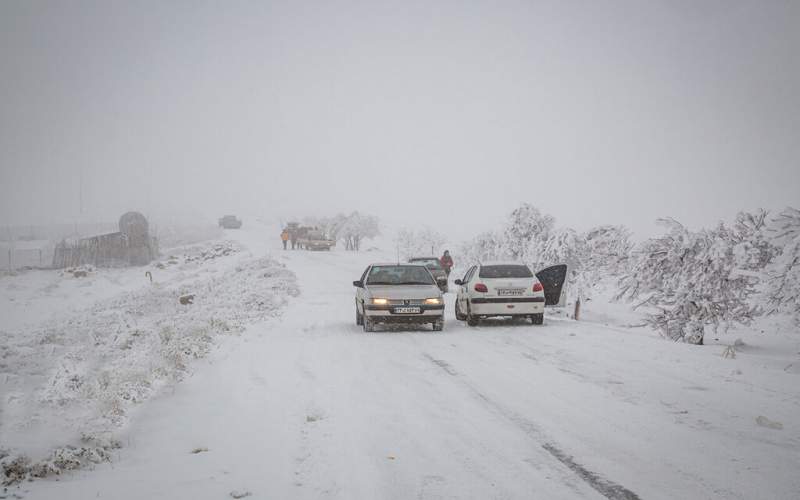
x=82, y=348
x=307, y=405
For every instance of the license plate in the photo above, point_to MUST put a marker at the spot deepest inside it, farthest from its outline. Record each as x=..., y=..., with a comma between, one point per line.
x=407, y=310
x=505, y=292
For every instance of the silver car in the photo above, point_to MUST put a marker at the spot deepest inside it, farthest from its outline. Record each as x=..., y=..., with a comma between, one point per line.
x=436, y=269
x=399, y=294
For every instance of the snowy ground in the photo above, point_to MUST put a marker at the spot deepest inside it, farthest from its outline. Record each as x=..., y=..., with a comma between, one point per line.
x=309, y=406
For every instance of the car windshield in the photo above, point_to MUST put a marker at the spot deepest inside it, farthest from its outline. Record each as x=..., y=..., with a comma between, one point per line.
x=506, y=271
x=399, y=275
x=432, y=263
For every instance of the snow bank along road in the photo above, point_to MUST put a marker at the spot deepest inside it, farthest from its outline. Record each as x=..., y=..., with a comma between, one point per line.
x=315, y=408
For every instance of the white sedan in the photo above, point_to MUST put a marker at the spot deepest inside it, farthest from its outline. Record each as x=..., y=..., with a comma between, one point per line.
x=505, y=289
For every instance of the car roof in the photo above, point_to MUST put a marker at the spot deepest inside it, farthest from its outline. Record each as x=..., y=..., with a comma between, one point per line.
x=503, y=263
x=423, y=258
x=396, y=264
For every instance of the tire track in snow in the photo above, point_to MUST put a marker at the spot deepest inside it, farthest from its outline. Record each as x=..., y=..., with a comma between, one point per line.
x=605, y=487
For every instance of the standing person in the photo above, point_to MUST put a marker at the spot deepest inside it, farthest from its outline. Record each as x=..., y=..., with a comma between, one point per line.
x=293, y=235
x=284, y=238
x=447, y=262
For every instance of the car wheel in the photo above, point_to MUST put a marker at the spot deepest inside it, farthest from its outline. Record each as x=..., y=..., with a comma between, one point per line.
x=438, y=325
x=369, y=325
x=359, y=317
x=459, y=315
x=471, y=320
x=537, y=319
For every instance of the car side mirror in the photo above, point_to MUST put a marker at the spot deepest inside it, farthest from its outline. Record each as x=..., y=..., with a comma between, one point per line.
x=458, y=282
x=358, y=284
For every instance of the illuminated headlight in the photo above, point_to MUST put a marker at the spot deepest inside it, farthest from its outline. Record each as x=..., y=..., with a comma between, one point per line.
x=380, y=302
x=433, y=302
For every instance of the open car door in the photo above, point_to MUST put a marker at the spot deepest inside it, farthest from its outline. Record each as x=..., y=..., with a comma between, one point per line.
x=553, y=279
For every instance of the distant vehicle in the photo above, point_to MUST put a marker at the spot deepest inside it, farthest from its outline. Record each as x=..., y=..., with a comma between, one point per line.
x=436, y=269
x=230, y=222
x=314, y=239
x=507, y=289
x=399, y=294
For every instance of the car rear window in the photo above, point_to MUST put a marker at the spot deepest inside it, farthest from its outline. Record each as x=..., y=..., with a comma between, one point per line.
x=505, y=271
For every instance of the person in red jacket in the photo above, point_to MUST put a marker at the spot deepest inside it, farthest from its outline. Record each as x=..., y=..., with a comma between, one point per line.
x=447, y=262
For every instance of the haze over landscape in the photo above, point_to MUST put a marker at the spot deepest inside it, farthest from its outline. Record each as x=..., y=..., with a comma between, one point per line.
x=587, y=110
x=380, y=250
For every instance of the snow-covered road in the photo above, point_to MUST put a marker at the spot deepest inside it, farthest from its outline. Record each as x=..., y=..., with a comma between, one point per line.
x=315, y=408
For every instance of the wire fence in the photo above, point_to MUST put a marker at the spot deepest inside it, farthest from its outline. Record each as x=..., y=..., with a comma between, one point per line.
x=26, y=247
x=12, y=259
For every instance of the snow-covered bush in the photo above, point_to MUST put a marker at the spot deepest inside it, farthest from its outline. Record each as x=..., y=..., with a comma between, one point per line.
x=692, y=280
x=782, y=289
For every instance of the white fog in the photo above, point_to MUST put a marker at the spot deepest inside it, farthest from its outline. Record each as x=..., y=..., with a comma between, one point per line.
x=349, y=250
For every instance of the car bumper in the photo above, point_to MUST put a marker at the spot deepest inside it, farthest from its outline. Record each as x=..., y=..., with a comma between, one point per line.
x=384, y=314
x=521, y=306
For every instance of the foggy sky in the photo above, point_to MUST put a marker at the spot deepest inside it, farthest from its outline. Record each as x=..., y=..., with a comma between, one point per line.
x=443, y=113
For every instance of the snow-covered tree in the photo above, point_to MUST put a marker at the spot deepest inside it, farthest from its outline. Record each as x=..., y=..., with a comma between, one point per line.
x=424, y=242
x=527, y=231
x=564, y=246
x=490, y=245
x=406, y=243
x=431, y=241
x=532, y=237
x=607, y=249
x=782, y=288
x=357, y=227
x=330, y=226
x=690, y=281
x=753, y=249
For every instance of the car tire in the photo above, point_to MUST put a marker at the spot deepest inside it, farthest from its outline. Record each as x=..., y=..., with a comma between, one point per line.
x=359, y=317
x=459, y=315
x=471, y=320
x=537, y=319
x=438, y=325
x=369, y=325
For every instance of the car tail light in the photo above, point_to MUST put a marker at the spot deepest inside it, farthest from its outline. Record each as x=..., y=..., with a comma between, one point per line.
x=480, y=287
x=537, y=287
